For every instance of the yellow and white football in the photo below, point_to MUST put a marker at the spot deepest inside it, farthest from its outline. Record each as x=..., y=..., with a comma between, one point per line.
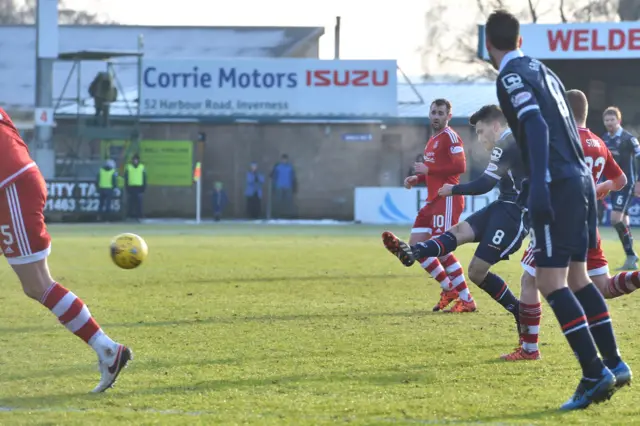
x=128, y=251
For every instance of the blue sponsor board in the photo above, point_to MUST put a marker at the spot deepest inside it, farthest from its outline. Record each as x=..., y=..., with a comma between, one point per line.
x=280, y=87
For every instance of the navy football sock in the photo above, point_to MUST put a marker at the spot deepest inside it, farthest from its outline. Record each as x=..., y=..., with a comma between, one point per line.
x=600, y=325
x=499, y=290
x=624, y=233
x=575, y=328
x=436, y=247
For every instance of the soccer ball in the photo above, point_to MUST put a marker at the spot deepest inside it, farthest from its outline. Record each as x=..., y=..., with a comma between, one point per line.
x=128, y=251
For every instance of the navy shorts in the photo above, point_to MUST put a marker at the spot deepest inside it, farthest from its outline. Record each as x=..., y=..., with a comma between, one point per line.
x=621, y=200
x=499, y=229
x=573, y=230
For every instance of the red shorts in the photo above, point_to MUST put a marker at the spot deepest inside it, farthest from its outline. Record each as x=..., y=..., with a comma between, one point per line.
x=439, y=215
x=23, y=234
x=596, y=262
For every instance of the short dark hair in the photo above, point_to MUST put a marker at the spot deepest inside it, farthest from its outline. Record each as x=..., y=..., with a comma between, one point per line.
x=488, y=113
x=579, y=104
x=442, y=102
x=613, y=110
x=503, y=30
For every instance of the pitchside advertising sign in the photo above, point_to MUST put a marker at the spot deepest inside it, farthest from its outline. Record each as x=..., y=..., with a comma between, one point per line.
x=604, y=40
x=397, y=205
x=272, y=87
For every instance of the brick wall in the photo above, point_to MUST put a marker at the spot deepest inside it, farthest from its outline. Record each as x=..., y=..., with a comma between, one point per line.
x=328, y=168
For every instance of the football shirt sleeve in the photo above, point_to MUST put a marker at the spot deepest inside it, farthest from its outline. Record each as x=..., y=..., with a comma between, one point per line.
x=498, y=166
x=527, y=111
x=520, y=95
x=450, y=159
x=611, y=168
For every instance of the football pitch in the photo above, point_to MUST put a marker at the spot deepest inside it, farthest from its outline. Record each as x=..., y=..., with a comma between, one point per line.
x=272, y=325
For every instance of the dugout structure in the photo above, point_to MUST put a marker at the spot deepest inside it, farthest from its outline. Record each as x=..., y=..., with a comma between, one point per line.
x=73, y=195
x=88, y=129
x=601, y=59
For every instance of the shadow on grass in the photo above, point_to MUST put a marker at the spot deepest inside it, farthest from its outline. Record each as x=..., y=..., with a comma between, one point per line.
x=289, y=278
x=235, y=319
x=538, y=415
x=408, y=375
x=146, y=365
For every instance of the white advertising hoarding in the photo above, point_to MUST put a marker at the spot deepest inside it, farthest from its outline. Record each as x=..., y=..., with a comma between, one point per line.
x=397, y=205
x=600, y=40
x=272, y=87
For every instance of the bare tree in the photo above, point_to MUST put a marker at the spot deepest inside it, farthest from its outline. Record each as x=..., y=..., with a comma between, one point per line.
x=460, y=50
x=532, y=11
x=13, y=12
x=563, y=17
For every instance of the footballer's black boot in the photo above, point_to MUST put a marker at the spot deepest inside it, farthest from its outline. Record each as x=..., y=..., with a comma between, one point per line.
x=398, y=248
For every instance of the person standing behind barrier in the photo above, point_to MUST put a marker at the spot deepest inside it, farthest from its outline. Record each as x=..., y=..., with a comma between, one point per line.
x=219, y=200
x=253, y=191
x=107, y=182
x=135, y=178
x=285, y=185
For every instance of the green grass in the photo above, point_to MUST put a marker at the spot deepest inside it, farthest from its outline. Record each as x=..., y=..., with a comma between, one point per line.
x=283, y=325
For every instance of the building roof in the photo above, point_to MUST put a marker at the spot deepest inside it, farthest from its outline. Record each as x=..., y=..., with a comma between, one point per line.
x=466, y=98
x=17, y=68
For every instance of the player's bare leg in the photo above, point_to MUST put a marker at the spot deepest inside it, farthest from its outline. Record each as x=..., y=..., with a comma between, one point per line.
x=38, y=284
x=620, y=223
x=530, y=314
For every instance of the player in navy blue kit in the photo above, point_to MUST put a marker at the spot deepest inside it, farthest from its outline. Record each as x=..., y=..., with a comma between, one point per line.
x=498, y=228
x=626, y=151
x=562, y=208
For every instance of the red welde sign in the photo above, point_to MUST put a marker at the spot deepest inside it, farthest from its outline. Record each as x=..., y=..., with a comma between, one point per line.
x=607, y=40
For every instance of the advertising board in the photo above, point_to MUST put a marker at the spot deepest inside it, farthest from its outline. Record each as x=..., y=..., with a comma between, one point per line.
x=596, y=40
x=275, y=87
x=167, y=163
x=397, y=205
x=77, y=197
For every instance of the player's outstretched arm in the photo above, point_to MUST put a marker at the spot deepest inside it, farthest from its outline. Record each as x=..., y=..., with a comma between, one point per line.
x=482, y=185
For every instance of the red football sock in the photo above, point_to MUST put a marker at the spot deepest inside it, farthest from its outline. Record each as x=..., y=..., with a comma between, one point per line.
x=530, y=316
x=71, y=312
x=434, y=268
x=456, y=274
x=623, y=283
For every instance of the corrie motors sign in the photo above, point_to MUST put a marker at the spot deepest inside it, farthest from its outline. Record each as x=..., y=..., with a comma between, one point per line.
x=606, y=40
x=271, y=87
